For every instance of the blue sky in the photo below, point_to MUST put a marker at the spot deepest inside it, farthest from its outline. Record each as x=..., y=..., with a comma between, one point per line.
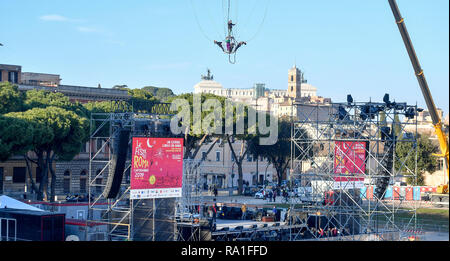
x=344, y=47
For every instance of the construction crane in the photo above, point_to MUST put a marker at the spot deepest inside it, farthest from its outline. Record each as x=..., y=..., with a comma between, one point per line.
x=442, y=191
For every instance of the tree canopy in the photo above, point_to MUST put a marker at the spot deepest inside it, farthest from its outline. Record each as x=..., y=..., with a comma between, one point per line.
x=11, y=99
x=425, y=160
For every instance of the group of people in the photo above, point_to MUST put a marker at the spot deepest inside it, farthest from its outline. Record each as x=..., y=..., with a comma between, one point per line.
x=329, y=232
x=231, y=45
x=213, y=190
x=271, y=195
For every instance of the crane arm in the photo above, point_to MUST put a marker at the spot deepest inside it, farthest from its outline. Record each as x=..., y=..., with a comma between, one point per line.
x=422, y=82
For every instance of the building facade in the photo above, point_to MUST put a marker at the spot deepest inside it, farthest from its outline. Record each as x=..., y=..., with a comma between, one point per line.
x=219, y=167
x=277, y=102
x=52, y=83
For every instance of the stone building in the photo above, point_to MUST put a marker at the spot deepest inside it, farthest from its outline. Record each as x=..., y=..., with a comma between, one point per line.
x=52, y=83
x=219, y=167
x=277, y=102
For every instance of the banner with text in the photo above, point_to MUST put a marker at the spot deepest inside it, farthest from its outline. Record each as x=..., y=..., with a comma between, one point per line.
x=157, y=168
x=349, y=163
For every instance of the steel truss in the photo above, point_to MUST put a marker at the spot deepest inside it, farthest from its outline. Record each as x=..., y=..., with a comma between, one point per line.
x=118, y=213
x=190, y=205
x=318, y=133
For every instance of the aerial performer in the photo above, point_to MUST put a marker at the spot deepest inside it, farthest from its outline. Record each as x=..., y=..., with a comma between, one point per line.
x=231, y=45
x=231, y=41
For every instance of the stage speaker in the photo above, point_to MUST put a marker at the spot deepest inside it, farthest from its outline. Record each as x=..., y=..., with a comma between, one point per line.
x=119, y=157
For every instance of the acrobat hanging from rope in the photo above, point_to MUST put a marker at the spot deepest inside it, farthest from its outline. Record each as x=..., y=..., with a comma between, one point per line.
x=231, y=44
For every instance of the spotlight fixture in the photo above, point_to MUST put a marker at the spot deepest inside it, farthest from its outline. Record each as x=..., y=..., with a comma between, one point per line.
x=385, y=133
x=387, y=100
x=410, y=113
x=349, y=100
x=343, y=114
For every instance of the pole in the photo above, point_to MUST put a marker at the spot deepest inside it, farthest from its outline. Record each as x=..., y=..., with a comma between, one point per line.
x=257, y=156
x=153, y=220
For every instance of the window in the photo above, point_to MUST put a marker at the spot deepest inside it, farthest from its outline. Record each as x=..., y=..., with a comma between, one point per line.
x=203, y=155
x=292, y=78
x=1, y=75
x=19, y=174
x=292, y=88
x=249, y=157
x=232, y=157
x=66, y=182
x=217, y=156
x=12, y=77
x=83, y=181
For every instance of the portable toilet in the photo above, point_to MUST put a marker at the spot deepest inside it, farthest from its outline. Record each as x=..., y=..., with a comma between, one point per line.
x=409, y=193
x=369, y=193
x=417, y=193
x=364, y=192
x=388, y=194
x=396, y=193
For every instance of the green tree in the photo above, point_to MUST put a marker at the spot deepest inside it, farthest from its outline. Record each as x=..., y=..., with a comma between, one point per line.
x=405, y=152
x=11, y=99
x=43, y=99
x=193, y=141
x=162, y=94
x=69, y=132
x=279, y=154
x=16, y=136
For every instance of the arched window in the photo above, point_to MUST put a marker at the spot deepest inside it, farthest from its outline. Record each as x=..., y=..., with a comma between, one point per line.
x=66, y=182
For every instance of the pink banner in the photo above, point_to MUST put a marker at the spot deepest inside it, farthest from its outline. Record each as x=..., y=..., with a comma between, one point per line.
x=349, y=157
x=157, y=168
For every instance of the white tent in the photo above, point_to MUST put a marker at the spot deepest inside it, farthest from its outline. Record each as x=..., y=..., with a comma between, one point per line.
x=7, y=202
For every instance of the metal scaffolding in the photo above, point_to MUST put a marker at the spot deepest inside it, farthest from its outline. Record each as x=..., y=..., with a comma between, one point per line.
x=116, y=213
x=119, y=213
x=344, y=162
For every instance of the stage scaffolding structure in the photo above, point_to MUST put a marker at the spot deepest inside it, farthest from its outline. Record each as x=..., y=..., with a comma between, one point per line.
x=190, y=205
x=335, y=189
x=118, y=214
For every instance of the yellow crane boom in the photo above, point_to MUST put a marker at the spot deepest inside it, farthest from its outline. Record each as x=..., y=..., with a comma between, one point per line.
x=436, y=120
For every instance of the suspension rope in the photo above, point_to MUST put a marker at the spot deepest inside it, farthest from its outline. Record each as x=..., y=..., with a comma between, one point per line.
x=262, y=23
x=198, y=22
x=229, y=6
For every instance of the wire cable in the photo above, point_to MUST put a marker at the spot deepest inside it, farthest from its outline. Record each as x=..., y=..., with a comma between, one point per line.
x=198, y=22
x=262, y=23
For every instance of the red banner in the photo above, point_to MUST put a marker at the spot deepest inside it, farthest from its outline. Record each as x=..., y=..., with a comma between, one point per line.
x=349, y=157
x=157, y=168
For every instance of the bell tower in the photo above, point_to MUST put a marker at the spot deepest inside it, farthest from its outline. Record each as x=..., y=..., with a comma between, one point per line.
x=295, y=83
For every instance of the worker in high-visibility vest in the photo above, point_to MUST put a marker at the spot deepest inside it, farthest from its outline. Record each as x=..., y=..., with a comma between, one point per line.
x=244, y=211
